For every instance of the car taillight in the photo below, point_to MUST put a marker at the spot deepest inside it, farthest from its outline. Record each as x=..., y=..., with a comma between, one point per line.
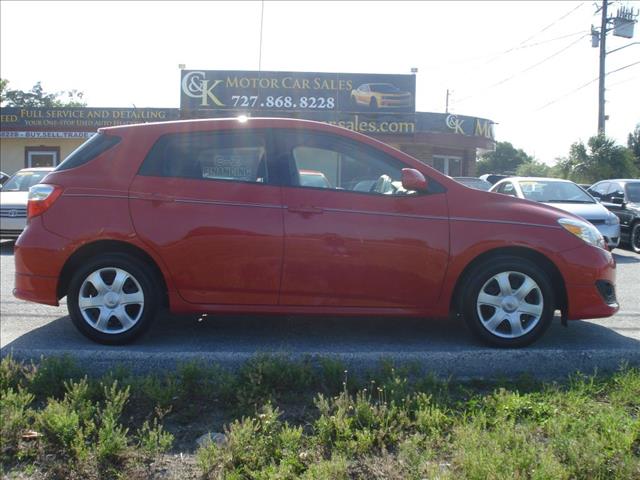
x=41, y=197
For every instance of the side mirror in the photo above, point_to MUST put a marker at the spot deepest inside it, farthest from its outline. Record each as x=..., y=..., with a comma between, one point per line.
x=617, y=200
x=412, y=179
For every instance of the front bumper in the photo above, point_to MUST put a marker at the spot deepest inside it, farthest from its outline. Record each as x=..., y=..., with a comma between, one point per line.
x=11, y=227
x=611, y=234
x=590, y=276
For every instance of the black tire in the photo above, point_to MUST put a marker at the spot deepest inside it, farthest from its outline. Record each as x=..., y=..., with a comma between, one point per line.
x=634, y=238
x=514, y=268
x=141, y=280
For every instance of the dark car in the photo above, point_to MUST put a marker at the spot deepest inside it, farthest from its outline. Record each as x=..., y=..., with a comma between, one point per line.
x=622, y=197
x=4, y=177
x=473, y=182
x=493, y=178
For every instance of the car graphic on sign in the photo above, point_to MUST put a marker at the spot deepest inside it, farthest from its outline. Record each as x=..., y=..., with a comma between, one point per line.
x=381, y=96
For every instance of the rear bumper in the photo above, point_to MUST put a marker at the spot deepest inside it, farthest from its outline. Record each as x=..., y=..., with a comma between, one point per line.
x=586, y=270
x=39, y=257
x=34, y=288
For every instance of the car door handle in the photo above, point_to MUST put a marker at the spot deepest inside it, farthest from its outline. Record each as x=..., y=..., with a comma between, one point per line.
x=305, y=210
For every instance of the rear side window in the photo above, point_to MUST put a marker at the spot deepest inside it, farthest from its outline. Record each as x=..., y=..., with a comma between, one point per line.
x=89, y=150
x=237, y=156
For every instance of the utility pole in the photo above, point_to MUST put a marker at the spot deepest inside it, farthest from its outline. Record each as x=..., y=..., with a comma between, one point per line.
x=446, y=107
x=622, y=26
x=603, y=56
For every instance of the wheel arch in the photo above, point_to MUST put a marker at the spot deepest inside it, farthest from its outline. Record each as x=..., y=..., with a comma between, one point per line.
x=92, y=249
x=557, y=281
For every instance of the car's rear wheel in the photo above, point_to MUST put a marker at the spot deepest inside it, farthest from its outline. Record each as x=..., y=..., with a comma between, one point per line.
x=112, y=299
x=634, y=240
x=508, y=301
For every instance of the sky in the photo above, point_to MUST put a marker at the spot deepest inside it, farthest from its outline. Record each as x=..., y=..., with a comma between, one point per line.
x=520, y=64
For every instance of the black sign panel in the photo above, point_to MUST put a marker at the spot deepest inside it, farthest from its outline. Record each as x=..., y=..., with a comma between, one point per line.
x=296, y=91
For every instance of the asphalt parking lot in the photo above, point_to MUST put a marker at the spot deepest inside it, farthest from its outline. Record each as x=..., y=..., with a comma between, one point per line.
x=445, y=348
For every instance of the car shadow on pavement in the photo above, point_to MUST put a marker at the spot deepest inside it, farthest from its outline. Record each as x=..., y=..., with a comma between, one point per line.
x=629, y=257
x=312, y=335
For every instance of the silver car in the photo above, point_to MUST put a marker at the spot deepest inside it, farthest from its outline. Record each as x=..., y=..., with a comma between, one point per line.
x=13, y=200
x=565, y=195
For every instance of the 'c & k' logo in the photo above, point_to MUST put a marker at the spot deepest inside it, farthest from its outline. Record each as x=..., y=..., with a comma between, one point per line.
x=455, y=124
x=195, y=85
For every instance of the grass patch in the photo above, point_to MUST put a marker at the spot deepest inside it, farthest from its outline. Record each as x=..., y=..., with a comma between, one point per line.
x=284, y=419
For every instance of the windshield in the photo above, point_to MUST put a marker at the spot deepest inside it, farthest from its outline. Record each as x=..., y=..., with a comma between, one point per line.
x=21, y=181
x=384, y=88
x=633, y=192
x=550, y=191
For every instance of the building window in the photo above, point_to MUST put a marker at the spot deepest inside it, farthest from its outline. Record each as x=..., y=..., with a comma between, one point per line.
x=448, y=165
x=41, y=157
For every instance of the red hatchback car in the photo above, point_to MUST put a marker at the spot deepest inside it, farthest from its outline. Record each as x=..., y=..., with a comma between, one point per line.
x=212, y=216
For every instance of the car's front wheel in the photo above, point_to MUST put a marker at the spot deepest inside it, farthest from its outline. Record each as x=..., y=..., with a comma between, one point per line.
x=112, y=299
x=508, y=301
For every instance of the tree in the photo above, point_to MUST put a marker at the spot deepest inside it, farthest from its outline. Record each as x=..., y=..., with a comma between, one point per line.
x=533, y=169
x=601, y=158
x=37, y=97
x=505, y=159
x=633, y=142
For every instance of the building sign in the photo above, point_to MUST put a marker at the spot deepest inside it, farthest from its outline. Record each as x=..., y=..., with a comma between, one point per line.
x=296, y=91
x=79, y=119
x=458, y=124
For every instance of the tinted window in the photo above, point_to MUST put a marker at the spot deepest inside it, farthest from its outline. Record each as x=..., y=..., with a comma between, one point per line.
x=599, y=190
x=633, y=192
x=615, y=191
x=22, y=181
x=238, y=156
x=89, y=150
x=342, y=165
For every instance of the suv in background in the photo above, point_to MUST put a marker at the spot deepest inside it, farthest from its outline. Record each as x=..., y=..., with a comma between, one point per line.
x=622, y=197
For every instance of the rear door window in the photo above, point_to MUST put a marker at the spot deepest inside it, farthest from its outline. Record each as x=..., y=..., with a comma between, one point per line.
x=232, y=156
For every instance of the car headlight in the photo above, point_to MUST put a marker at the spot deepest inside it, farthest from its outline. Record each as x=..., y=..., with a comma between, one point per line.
x=611, y=219
x=584, y=231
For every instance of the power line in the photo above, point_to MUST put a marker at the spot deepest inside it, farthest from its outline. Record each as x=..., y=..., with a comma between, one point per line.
x=531, y=67
x=520, y=45
x=529, y=45
x=586, y=85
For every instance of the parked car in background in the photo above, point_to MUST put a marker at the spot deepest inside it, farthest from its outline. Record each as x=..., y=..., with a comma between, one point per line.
x=565, y=195
x=474, y=182
x=381, y=96
x=622, y=197
x=3, y=178
x=13, y=200
x=492, y=178
x=214, y=216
